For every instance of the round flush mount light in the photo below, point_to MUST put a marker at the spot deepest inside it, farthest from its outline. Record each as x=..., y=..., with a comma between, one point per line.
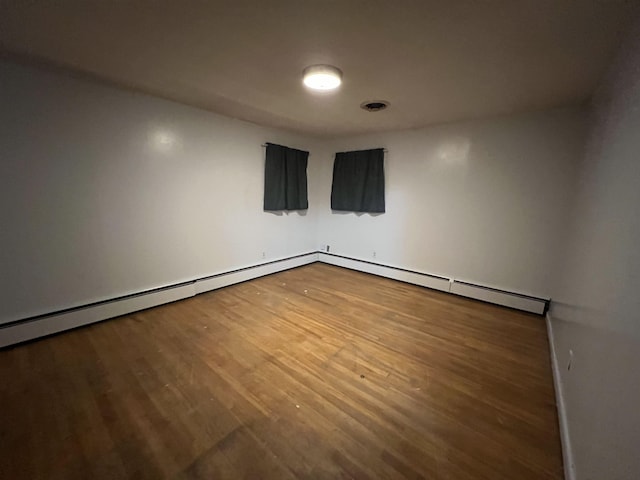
x=374, y=106
x=322, y=77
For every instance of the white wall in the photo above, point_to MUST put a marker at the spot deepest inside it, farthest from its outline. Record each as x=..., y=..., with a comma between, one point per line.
x=596, y=312
x=483, y=201
x=105, y=192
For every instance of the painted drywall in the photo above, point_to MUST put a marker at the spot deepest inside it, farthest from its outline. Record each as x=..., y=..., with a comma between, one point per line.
x=105, y=192
x=595, y=314
x=481, y=201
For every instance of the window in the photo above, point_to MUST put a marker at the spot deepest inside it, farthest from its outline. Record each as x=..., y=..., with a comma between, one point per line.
x=358, y=181
x=285, y=178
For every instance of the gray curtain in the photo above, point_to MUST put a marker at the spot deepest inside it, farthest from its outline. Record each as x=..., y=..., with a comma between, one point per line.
x=285, y=178
x=358, y=181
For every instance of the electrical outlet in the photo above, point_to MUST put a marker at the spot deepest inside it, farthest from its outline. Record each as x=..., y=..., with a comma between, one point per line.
x=328, y=247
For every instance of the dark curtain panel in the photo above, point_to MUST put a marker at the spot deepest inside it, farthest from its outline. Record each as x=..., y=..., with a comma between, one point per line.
x=358, y=181
x=285, y=178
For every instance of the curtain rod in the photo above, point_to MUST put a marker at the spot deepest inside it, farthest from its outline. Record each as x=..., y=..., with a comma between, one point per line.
x=264, y=145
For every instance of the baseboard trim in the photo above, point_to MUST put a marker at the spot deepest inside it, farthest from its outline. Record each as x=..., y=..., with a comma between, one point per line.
x=31, y=328
x=565, y=439
x=500, y=297
x=435, y=282
x=54, y=322
x=483, y=293
x=225, y=279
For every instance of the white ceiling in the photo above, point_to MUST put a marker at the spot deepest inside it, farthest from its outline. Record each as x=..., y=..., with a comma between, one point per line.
x=434, y=61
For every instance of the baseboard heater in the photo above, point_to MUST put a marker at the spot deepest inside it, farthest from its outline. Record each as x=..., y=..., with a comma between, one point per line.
x=26, y=329
x=484, y=293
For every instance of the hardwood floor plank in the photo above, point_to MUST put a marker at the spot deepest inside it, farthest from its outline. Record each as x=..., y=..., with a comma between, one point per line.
x=316, y=372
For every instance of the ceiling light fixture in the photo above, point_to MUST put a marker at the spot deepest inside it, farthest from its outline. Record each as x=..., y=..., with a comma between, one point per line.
x=322, y=77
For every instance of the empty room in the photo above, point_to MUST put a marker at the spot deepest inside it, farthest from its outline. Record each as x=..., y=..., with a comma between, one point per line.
x=320, y=239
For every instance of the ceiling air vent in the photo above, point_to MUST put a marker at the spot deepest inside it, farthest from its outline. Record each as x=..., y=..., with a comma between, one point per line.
x=374, y=106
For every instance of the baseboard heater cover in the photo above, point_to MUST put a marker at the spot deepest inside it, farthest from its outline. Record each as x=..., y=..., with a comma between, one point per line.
x=243, y=274
x=43, y=325
x=435, y=282
x=500, y=297
x=496, y=296
x=55, y=322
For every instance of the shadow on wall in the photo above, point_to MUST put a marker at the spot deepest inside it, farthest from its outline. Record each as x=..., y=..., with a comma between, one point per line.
x=280, y=213
x=357, y=214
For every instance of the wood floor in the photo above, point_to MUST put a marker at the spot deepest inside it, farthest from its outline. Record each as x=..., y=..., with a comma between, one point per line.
x=317, y=372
